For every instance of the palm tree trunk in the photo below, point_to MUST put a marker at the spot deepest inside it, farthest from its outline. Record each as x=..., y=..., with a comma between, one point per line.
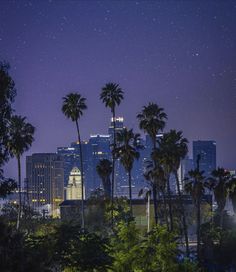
x=19, y=187
x=221, y=218
x=198, y=228
x=82, y=174
x=165, y=208
x=169, y=202
x=130, y=193
x=185, y=228
x=154, y=187
x=154, y=191
x=113, y=167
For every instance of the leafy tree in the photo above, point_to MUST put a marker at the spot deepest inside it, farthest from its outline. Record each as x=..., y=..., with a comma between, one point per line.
x=152, y=120
x=111, y=96
x=127, y=151
x=7, y=96
x=159, y=251
x=7, y=186
x=73, y=106
x=125, y=247
x=104, y=170
x=11, y=248
x=77, y=250
x=21, y=137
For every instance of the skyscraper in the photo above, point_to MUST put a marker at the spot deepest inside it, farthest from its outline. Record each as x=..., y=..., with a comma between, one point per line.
x=45, y=177
x=207, y=152
x=71, y=157
x=99, y=147
x=119, y=123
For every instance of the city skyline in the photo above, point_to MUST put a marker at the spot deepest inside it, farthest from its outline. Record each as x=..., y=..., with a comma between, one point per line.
x=178, y=55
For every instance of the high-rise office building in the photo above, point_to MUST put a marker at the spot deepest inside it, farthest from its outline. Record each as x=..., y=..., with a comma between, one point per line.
x=99, y=147
x=207, y=152
x=186, y=165
x=74, y=186
x=71, y=156
x=119, y=123
x=45, y=182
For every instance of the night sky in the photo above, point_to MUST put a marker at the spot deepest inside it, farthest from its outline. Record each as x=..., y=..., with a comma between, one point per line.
x=179, y=54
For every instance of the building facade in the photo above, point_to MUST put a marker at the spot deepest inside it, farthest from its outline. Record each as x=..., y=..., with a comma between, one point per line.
x=74, y=186
x=207, y=152
x=45, y=182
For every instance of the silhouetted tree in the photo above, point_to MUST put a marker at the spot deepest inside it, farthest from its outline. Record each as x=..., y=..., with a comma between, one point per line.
x=195, y=185
x=173, y=148
x=219, y=184
x=111, y=96
x=7, y=96
x=232, y=192
x=104, y=170
x=155, y=176
x=73, y=106
x=127, y=151
x=152, y=120
x=21, y=137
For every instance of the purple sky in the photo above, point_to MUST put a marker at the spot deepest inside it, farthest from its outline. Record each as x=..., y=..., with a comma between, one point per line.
x=179, y=54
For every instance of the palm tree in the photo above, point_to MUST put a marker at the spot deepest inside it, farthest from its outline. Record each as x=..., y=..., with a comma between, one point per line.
x=173, y=148
x=152, y=119
x=155, y=176
x=111, y=96
x=127, y=151
x=104, y=170
x=164, y=158
x=219, y=183
x=20, y=139
x=146, y=193
x=195, y=185
x=73, y=106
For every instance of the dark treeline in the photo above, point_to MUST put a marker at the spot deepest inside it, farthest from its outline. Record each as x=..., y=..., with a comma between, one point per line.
x=105, y=236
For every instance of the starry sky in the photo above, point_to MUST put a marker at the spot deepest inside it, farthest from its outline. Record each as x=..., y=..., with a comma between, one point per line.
x=178, y=54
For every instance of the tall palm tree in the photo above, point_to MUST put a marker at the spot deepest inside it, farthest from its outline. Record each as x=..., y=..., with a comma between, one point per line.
x=104, y=170
x=152, y=120
x=73, y=106
x=112, y=95
x=195, y=185
x=219, y=183
x=21, y=137
x=127, y=151
x=173, y=148
x=146, y=193
x=155, y=176
x=164, y=158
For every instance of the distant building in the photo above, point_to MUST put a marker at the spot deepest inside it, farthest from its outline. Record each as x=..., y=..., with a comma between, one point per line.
x=119, y=123
x=71, y=157
x=45, y=182
x=207, y=152
x=186, y=165
x=99, y=147
x=74, y=186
